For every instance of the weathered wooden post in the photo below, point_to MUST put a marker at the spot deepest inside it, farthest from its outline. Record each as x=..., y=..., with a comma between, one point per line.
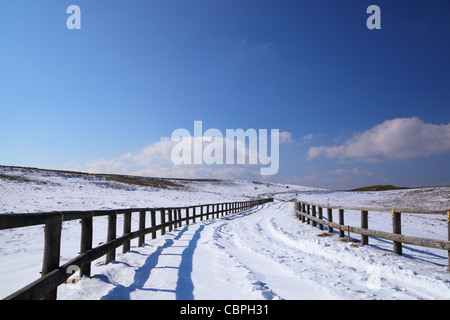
x=308, y=209
x=341, y=222
x=364, y=225
x=448, y=228
x=163, y=220
x=153, y=222
x=320, y=213
x=169, y=211
x=313, y=213
x=52, y=249
x=330, y=219
x=141, y=239
x=86, y=243
x=397, y=229
x=112, y=227
x=126, y=230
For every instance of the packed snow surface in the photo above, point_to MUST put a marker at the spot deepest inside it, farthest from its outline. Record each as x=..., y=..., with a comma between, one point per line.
x=261, y=253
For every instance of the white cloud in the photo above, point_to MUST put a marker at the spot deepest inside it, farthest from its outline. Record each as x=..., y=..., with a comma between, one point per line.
x=155, y=160
x=155, y=153
x=399, y=138
x=286, y=137
x=354, y=171
x=107, y=166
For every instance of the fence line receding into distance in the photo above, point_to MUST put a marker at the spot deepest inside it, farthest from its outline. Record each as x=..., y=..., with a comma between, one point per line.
x=53, y=274
x=313, y=214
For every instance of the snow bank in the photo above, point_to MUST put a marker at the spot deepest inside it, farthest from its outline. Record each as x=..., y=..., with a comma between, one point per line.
x=263, y=253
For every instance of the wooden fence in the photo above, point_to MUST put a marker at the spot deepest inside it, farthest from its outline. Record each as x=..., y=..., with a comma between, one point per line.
x=53, y=274
x=313, y=214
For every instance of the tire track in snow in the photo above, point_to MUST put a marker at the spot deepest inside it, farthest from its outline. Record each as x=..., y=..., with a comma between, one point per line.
x=248, y=241
x=288, y=257
x=261, y=253
x=397, y=277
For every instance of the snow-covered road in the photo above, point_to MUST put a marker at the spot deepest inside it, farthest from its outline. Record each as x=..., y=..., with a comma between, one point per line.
x=263, y=253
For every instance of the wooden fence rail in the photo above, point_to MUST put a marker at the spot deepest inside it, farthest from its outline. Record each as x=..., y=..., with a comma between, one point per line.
x=53, y=274
x=306, y=212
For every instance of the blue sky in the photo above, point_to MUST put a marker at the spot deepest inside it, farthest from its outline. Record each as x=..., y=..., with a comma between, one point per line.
x=348, y=99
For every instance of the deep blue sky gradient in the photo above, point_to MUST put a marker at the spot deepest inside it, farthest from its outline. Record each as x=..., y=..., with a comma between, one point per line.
x=137, y=70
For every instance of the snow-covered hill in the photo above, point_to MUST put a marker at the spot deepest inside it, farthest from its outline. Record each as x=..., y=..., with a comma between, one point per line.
x=263, y=253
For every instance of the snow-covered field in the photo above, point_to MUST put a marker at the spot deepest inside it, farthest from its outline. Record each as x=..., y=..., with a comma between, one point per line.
x=262, y=253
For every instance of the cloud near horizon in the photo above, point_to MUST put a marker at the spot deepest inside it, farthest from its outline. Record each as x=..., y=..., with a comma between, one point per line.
x=399, y=138
x=155, y=160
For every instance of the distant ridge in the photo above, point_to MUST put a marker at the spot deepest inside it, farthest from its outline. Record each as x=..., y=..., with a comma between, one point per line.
x=385, y=187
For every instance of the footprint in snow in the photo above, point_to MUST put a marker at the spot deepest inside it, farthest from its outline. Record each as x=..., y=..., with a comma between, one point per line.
x=266, y=292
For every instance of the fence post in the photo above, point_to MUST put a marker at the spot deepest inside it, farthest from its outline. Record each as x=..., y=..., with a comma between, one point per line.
x=308, y=211
x=126, y=229
x=320, y=217
x=169, y=212
x=112, y=227
x=364, y=225
x=175, y=218
x=330, y=219
x=194, y=208
x=86, y=243
x=397, y=229
x=448, y=228
x=313, y=213
x=141, y=239
x=163, y=220
x=341, y=221
x=52, y=249
x=153, y=222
